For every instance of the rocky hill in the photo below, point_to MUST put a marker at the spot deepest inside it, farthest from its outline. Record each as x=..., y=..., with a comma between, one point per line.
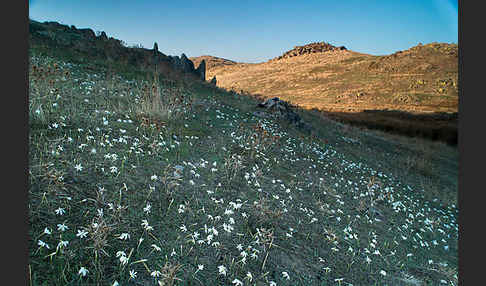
x=311, y=48
x=99, y=46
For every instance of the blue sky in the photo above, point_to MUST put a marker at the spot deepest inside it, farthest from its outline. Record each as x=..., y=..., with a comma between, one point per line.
x=256, y=31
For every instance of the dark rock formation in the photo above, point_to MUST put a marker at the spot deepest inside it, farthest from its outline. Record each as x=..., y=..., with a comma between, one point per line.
x=201, y=70
x=103, y=36
x=85, y=43
x=283, y=110
x=309, y=49
x=182, y=63
x=88, y=33
x=187, y=64
x=213, y=80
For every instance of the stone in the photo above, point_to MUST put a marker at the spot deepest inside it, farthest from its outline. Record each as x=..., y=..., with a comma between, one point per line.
x=283, y=110
x=103, y=36
x=187, y=64
x=201, y=70
x=213, y=80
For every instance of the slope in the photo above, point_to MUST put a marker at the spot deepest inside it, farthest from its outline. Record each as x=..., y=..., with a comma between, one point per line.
x=421, y=79
x=140, y=179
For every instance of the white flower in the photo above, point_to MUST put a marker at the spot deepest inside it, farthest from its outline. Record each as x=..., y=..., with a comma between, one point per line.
x=60, y=211
x=124, y=259
x=62, y=227
x=227, y=227
x=43, y=244
x=83, y=271
x=147, y=208
x=154, y=177
x=249, y=276
x=285, y=275
x=239, y=247
x=368, y=260
x=156, y=248
x=133, y=274
x=124, y=236
x=115, y=283
x=146, y=225
x=47, y=231
x=222, y=270
x=120, y=253
x=155, y=273
x=78, y=167
x=272, y=283
x=81, y=233
x=200, y=267
x=237, y=282
x=382, y=272
x=62, y=243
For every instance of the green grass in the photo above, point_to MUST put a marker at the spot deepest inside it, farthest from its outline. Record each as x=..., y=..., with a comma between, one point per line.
x=255, y=196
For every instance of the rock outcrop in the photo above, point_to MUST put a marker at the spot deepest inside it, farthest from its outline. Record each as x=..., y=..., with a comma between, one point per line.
x=201, y=70
x=309, y=49
x=88, y=44
x=283, y=110
x=185, y=65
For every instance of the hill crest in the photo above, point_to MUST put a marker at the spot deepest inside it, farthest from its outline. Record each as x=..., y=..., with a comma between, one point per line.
x=211, y=61
x=316, y=47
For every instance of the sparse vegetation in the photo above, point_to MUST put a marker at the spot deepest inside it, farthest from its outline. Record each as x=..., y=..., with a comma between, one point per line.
x=124, y=192
x=342, y=83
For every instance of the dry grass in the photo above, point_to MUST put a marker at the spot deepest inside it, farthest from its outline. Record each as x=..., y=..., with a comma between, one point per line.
x=421, y=79
x=106, y=206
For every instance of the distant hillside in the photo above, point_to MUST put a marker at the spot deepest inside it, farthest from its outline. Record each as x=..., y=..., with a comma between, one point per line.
x=420, y=79
x=211, y=61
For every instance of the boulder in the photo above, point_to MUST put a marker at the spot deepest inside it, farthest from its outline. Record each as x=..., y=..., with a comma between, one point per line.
x=283, y=110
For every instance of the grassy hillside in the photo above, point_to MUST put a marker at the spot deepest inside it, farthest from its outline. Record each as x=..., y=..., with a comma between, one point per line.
x=136, y=178
x=345, y=85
